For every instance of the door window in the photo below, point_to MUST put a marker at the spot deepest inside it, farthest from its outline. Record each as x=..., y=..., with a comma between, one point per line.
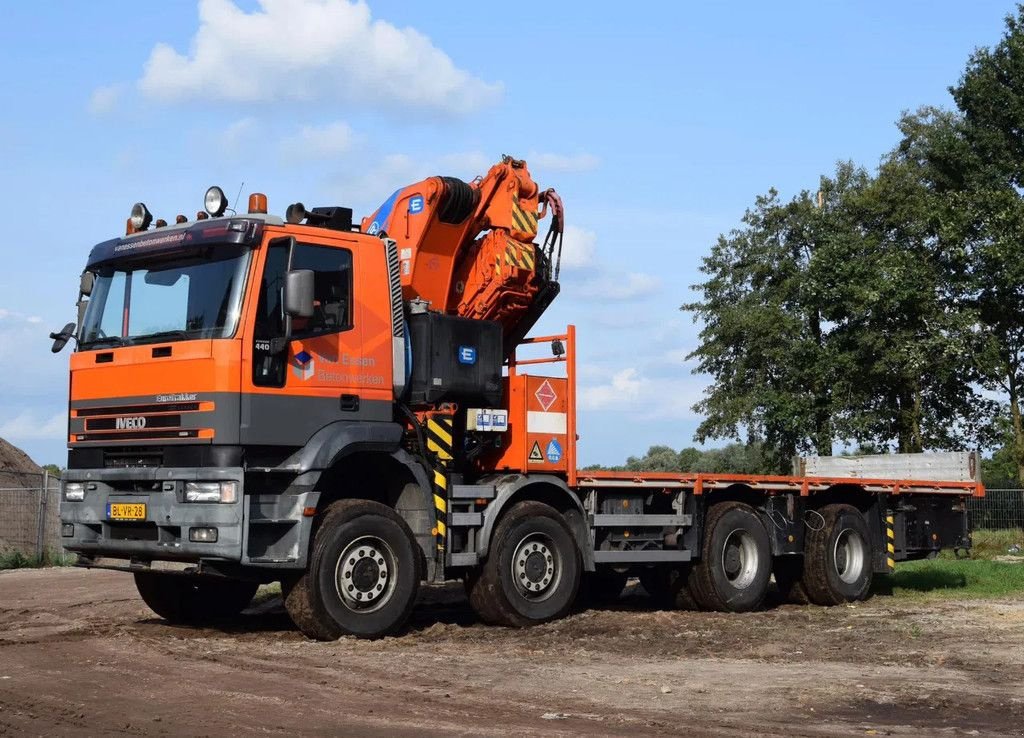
x=332, y=303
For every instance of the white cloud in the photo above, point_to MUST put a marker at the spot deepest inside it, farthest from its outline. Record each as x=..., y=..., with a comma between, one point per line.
x=628, y=286
x=578, y=247
x=621, y=389
x=104, y=99
x=313, y=51
x=643, y=396
x=233, y=139
x=563, y=163
x=315, y=142
x=28, y=426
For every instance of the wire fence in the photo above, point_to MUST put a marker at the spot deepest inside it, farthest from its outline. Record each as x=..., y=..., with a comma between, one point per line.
x=30, y=515
x=999, y=509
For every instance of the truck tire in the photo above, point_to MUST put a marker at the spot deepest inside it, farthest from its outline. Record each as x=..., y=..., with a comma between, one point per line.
x=532, y=573
x=363, y=575
x=735, y=564
x=188, y=600
x=788, y=572
x=668, y=587
x=837, y=557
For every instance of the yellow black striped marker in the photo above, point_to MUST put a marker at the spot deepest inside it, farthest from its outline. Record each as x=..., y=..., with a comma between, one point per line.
x=439, y=443
x=525, y=220
x=519, y=254
x=890, y=541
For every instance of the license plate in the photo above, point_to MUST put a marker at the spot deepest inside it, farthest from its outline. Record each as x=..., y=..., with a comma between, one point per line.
x=126, y=511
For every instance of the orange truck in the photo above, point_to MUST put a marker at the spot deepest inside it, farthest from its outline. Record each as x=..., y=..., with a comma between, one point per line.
x=355, y=410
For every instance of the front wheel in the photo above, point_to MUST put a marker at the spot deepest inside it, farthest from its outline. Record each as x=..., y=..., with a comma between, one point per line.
x=532, y=573
x=363, y=574
x=735, y=564
x=190, y=600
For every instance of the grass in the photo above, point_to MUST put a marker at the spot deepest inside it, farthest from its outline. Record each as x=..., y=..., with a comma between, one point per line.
x=15, y=559
x=989, y=544
x=964, y=579
x=990, y=571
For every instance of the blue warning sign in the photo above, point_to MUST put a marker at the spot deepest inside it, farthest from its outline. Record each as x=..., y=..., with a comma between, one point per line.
x=554, y=451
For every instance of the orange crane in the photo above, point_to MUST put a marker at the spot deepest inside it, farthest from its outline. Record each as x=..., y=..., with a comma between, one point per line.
x=502, y=275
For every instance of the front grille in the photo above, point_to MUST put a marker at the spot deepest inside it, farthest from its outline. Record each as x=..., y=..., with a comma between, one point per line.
x=151, y=421
x=133, y=458
x=164, y=407
x=136, y=435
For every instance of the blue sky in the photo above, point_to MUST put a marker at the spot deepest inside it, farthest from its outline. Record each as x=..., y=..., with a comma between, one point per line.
x=657, y=122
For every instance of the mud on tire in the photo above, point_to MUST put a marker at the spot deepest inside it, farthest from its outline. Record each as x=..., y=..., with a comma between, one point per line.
x=363, y=574
x=837, y=557
x=532, y=572
x=735, y=564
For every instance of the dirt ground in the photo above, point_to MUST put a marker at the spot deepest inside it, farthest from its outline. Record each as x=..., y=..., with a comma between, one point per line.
x=80, y=654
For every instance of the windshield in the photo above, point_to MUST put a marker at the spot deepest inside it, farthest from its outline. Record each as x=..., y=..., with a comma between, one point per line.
x=195, y=296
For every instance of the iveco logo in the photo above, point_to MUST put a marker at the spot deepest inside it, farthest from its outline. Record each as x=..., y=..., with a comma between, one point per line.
x=130, y=423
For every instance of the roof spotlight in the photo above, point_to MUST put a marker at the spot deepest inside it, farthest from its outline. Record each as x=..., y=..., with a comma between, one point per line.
x=141, y=217
x=215, y=202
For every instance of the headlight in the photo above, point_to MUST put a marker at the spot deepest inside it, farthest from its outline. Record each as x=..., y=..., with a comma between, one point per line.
x=74, y=491
x=211, y=491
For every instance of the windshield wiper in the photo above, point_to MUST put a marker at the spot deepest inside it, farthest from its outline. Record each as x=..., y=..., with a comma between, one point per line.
x=178, y=334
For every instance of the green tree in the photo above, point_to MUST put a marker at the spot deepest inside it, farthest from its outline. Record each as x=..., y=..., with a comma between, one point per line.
x=901, y=337
x=763, y=333
x=658, y=458
x=979, y=170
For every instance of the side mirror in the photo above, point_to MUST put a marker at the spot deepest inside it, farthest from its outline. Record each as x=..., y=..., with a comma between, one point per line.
x=86, y=283
x=298, y=293
x=60, y=339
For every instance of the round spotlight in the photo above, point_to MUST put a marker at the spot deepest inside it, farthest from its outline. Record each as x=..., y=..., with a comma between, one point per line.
x=215, y=201
x=141, y=217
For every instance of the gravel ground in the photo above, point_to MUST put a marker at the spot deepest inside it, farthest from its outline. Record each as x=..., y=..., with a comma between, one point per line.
x=80, y=654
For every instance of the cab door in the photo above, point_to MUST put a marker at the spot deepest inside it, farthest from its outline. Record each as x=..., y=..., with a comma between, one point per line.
x=327, y=371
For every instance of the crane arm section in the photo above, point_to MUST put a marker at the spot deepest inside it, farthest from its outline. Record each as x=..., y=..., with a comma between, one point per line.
x=468, y=248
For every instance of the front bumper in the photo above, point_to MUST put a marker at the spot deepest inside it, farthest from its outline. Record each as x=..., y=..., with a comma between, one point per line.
x=164, y=534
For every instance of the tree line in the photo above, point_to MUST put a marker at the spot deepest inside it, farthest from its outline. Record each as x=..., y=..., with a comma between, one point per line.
x=882, y=310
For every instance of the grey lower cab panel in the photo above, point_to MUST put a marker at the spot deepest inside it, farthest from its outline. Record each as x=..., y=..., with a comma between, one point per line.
x=640, y=557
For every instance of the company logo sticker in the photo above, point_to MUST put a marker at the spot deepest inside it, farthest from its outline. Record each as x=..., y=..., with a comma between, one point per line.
x=303, y=365
x=136, y=423
x=467, y=355
x=416, y=205
x=554, y=451
x=545, y=395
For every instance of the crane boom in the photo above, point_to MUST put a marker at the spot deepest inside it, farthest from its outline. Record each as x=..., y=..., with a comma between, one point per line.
x=468, y=248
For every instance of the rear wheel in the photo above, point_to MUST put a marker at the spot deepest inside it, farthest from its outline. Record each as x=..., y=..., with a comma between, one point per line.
x=532, y=572
x=735, y=565
x=837, y=559
x=193, y=600
x=363, y=574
